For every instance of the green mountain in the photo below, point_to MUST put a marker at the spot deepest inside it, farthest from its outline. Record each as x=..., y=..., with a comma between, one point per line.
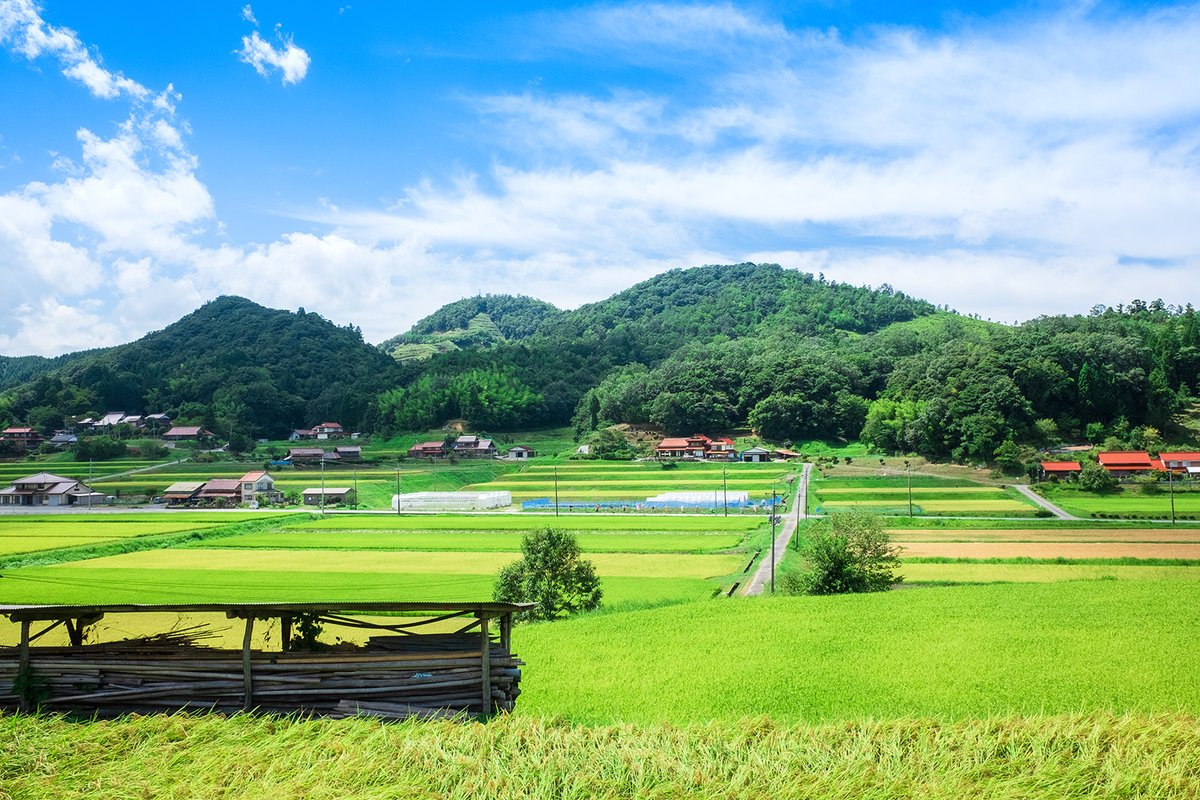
x=231, y=365
x=480, y=322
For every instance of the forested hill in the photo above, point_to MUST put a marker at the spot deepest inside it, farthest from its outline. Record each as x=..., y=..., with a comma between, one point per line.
x=232, y=366
x=542, y=378
x=479, y=322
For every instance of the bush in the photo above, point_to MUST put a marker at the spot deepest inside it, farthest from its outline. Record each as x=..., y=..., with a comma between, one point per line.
x=847, y=553
x=551, y=574
x=1095, y=478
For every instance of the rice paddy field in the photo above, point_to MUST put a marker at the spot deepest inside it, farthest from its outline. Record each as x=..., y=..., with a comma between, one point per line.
x=931, y=496
x=1126, y=501
x=601, y=480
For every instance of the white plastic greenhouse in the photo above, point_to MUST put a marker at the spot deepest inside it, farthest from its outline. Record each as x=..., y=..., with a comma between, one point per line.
x=709, y=499
x=451, y=501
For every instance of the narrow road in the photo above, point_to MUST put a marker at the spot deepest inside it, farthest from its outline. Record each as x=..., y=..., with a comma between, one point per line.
x=1043, y=502
x=762, y=577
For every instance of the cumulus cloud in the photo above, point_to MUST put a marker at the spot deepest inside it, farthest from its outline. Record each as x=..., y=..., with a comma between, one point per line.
x=23, y=30
x=266, y=58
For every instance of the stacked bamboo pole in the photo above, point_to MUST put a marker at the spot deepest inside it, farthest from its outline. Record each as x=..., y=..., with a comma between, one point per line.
x=391, y=677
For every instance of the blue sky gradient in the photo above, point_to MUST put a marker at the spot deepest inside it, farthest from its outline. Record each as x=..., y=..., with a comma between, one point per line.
x=371, y=161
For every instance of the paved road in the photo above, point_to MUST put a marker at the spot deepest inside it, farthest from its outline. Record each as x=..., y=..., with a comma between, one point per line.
x=1043, y=502
x=762, y=577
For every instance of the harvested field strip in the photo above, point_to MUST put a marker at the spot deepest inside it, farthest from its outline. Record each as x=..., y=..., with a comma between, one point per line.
x=894, y=480
x=69, y=585
x=924, y=491
x=381, y=562
x=613, y=542
x=526, y=522
x=641, y=484
x=1035, y=758
x=940, y=505
x=1044, y=535
x=916, y=572
x=1052, y=550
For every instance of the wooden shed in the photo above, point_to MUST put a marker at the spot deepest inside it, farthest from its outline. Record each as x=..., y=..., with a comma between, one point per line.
x=466, y=667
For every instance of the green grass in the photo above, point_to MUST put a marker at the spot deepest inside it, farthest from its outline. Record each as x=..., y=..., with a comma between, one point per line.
x=525, y=522
x=204, y=757
x=987, y=572
x=947, y=653
x=1127, y=501
x=615, y=542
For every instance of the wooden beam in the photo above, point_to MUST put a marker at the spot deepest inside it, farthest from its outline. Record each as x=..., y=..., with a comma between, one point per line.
x=23, y=665
x=506, y=632
x=285, y=631
x=485, y=662
x=248, y=681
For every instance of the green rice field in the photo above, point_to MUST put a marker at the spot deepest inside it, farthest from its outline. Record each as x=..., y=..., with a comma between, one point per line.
x=930, y=495
x=1126, y=501
x=608, y=542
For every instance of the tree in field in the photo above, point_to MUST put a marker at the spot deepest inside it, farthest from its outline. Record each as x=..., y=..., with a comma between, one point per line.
x=847, y=553
x=1095, y=478
x=551, y=574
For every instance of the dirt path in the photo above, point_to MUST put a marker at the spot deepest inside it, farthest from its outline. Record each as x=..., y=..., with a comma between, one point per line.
x=1043, y=502
x=762, y=577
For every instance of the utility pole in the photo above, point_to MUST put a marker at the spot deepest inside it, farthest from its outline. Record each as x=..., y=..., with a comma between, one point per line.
x=725, y=488
x=556, y=491
x=322, y=485
x=774, y=519
x=397, y=491
x=356, y=488
x=908, y=472
x=1171, y=489
x=90, y=463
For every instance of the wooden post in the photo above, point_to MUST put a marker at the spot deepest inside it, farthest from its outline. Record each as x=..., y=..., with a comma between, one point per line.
x=248, y=699
x=285, y=631
x=485, y=661
x=23, y=665
x=506, y=632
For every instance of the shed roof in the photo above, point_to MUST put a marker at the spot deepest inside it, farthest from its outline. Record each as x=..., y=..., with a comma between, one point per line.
x=20, y=613
x=1125, y=458
x=1061, y=466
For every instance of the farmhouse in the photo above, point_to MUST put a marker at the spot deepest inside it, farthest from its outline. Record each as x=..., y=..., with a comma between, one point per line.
x=305, y=455
x=1188, y=463
x=300, y=434
x=521, y=452
x=228, y=490
x=25, y=437
x=328, y=497
x=696, y=446
x=1060, y=469
x=183, y=493
x=186, y=433
x=348, y=453
x=428, y=450
x=259, y=486
x=329, y=430
x=62, y=439
x=1127, y=462
x=47, y=489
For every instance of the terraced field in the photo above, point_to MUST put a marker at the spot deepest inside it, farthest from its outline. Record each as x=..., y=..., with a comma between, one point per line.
x=30, y=533
x=930, y=496
x=1127, y=501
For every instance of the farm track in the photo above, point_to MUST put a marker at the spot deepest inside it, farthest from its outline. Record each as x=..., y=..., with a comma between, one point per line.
x=783, y=537
x=1043, y=502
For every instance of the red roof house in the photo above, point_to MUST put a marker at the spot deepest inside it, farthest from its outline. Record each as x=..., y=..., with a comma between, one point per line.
x=1127, y=462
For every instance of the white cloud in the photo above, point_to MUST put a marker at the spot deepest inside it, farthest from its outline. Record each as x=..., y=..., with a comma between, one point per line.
x=266, y=58
x=23, y=30
x=248, y=15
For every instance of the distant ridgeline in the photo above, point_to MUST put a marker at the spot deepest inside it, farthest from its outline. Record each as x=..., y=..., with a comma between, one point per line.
x=796, y=356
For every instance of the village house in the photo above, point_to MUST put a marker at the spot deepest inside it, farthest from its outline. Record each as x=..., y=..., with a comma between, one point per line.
x=300, y=434
x=1124, y=463
x=1060, y=469
x=348, y=453
x=28, y=438
x=521, y=452
x=697, y=446
x=1186, y=463
x=259, y=487
x=186, y=433
x=329, y=430
x=63, y=440
x=47, y=489
x=428, y=450
x=222, y=490
x=756, y=455
x=305, y=455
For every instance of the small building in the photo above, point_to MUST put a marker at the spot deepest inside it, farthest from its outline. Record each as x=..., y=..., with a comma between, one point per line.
x=48, y=489
x=227, y=490
x=756, y=455
x=305, y=455
x=109, y=420
x=521, y=452
x=28, y=438
x=1061, y=469
x=671, y=448
x=1122, y=463
x=259, y=486
x=348, y=453
x=329, y=430
x=157, y=421
x=480, y=448
x=62, y=440
x=328, y=497
x=428, y=450
x=721, y=449
x=300, y=434
x=183, y=493
x=186, y=433
x=1188, y=463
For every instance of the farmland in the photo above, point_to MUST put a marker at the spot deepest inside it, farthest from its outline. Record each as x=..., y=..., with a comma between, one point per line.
x=930, y=496
x=1127, y=501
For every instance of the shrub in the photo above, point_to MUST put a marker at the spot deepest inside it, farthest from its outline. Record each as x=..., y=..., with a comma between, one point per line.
x=1095, y=478
x=848, y=553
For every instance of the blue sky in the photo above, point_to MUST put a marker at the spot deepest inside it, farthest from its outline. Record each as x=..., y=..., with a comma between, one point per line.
x=373, y=160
